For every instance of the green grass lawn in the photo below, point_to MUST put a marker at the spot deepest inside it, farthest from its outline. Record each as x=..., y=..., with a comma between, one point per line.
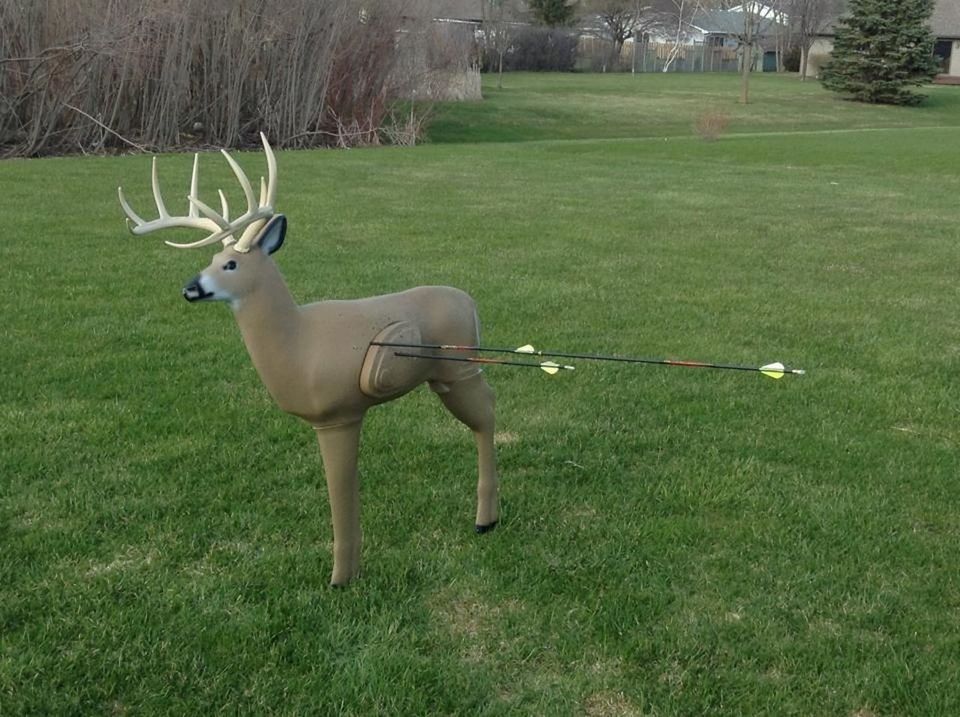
x=673, y=541
x=615, y=106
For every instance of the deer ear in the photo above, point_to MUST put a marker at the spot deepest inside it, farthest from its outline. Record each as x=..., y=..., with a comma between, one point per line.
x=271, y=238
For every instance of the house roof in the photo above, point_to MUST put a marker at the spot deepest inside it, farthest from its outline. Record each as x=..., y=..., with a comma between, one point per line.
x=469, y=10
x=726, y=22
x=944, y=22
x=721, y=22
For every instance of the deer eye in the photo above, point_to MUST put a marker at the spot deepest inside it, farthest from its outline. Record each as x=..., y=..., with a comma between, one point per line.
x=230, y=265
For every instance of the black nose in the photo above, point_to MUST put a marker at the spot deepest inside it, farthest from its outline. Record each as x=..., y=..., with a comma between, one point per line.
x=193, y=290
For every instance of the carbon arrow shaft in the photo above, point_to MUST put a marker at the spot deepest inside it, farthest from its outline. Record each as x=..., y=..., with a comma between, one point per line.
x=529, y=351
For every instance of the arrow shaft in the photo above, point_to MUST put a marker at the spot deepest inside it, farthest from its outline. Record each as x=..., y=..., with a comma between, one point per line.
x=585, y=357
x=466, y=359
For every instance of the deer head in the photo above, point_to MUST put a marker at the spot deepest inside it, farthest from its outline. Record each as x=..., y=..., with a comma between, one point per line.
x=232, y=275
x=236, y=270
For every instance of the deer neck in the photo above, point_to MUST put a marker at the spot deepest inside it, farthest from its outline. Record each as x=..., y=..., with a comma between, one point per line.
x=270, y=324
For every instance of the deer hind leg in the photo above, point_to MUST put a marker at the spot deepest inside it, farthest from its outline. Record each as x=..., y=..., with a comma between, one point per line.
x=339, y=446
x=471, y=400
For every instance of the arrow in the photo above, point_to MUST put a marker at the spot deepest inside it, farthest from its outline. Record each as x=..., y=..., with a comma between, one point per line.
x=774, y=370
x=547, y=366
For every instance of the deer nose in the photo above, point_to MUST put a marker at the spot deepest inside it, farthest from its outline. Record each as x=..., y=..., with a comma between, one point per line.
x=193, y=290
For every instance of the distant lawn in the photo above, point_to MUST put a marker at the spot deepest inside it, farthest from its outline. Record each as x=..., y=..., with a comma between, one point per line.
x=534, y=106
x=674, y=541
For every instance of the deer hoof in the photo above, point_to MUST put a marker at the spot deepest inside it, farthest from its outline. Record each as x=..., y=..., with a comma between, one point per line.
x=339, y=583
x=343, y=577
x=481, y=529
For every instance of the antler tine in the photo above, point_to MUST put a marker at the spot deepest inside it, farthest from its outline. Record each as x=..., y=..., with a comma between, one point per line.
x=225, y=213
x=194, y=184
x=157, y=197
x=133, y=219
x=271, y=173
x=242, y=178
x=265, y=209
x=224, y=207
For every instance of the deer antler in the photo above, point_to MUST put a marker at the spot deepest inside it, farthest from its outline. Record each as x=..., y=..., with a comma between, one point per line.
x=219, y=224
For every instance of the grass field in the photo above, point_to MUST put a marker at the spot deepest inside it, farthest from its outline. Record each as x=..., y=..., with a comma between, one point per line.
x=656, y=105
x=673, y=541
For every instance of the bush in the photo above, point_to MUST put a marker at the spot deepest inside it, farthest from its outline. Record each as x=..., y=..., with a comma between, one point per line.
x=710, y=124
x=791, y=59
x=91, y=75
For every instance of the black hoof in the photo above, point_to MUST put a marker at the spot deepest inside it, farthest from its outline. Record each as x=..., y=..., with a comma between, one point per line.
x=481, y=529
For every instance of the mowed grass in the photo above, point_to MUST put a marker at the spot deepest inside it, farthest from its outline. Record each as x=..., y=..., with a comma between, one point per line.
x=673, y=541
x=655, y=105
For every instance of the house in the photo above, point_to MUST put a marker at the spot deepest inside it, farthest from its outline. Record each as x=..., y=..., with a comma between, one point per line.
x=720, y=32
x=945, y=25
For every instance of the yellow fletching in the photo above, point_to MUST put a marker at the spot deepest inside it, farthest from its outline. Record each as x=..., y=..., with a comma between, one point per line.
x=528, y=349
x=550, y=367
x=773, y=370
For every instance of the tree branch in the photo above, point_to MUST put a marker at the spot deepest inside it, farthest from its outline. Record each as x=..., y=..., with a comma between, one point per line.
x=101, y=124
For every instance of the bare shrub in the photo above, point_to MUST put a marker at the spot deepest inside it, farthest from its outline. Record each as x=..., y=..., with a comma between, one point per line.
x=710, y=124
x=438, y=61
x=409, y=129
x=92, y=75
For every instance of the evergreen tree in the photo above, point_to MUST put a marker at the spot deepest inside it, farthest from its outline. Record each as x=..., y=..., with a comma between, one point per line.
x=882, y=48
x=553, y=13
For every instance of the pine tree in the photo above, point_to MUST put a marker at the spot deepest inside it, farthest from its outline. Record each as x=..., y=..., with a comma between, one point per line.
x=553, y=13
x=881, y=49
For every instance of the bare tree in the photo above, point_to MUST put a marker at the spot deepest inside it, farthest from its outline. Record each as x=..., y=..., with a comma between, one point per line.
x=755, y=24
x=781, y=29
x=619, y=20
x=500, y=22
x=809, y=18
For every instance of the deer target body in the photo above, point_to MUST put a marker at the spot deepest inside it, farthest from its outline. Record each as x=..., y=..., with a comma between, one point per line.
x=316, y=360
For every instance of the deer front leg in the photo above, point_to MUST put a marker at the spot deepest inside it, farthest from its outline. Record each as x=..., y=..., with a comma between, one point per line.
x=339, y=446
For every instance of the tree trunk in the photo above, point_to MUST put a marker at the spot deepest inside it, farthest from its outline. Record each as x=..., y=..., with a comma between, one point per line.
x=615, y=55
x=745, y=74
x=675, y=50
x=500, y=71
x=780, y=42
x=747, y=58
x=804, y=56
